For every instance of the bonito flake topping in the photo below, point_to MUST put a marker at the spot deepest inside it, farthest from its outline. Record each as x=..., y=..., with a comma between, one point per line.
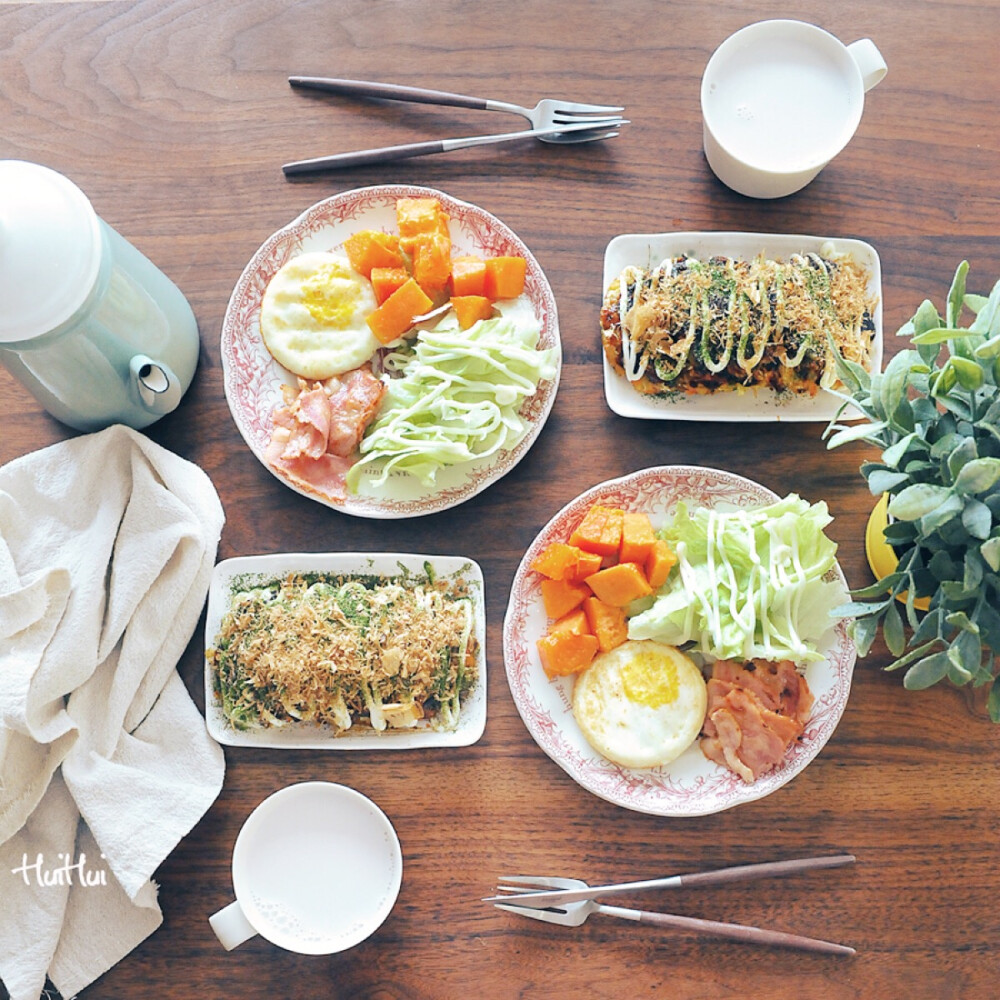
x=343, y=650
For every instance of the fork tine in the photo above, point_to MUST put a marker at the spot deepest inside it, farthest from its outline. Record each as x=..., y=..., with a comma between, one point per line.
x=584, y=137
x=526, y=883
x=569, y=108
x=605, y=121
x=549, y=916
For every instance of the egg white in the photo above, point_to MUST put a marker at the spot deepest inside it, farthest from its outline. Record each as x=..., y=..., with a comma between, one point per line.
x=313, y=316
x=641, y=704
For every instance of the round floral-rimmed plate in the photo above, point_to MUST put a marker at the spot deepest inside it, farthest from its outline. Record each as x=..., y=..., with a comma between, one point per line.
x=253, y=379
x=691, y=785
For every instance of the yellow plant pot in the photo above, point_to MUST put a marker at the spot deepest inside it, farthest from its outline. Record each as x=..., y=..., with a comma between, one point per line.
x=881, y=556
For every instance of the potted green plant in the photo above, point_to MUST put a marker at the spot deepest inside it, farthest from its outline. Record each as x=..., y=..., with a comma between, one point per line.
x=935, y=414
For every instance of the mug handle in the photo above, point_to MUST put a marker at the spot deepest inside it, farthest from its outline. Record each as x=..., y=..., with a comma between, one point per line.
x=869, y=61
x=231, y=926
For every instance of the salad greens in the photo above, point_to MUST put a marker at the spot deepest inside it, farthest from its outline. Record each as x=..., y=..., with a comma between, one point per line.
x=748, y=583
x=454, y=397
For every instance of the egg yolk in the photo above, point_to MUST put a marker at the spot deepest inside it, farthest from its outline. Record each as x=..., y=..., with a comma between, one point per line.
x=650, y=680
x=331, y=296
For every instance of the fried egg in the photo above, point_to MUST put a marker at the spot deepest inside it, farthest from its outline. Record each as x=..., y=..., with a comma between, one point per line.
x=641, y=704
x=312, y=316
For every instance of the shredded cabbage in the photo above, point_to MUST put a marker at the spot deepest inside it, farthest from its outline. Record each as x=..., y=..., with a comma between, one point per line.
x=748, y=583
x=454, y=398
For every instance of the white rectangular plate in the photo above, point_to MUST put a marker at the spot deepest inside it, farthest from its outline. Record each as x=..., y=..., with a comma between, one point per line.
x=308, y=736
x=648, y=250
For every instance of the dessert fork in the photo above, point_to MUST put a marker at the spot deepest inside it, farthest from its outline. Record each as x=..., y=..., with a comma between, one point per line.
x=574, y=914
x=544, y=115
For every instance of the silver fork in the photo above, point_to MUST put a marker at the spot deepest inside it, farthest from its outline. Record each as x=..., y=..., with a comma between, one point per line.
x=574, y=914
x=531, y=889
x=544, y=115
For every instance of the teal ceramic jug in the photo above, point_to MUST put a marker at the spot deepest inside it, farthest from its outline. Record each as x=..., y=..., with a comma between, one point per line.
x=88, y=325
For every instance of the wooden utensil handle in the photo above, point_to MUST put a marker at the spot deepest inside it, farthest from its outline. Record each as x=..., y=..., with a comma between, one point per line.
x=740, y=932
x=390, y=91
x=765, y=870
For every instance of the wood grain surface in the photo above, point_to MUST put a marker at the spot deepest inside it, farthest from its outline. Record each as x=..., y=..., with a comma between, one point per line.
x=174, y=117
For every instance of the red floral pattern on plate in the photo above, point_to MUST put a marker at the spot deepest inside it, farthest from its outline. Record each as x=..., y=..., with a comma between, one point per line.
x=691, y=785
x=252, y=379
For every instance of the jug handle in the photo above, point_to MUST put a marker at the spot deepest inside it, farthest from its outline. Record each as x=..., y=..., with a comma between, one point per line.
x=158, y=388
x=869, y=61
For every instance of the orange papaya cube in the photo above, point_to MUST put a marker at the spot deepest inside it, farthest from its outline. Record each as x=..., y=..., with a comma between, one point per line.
x=619, y=585
x=420, y=215
x=659, y=563
x=557, y=561
x=637, y=538
x=505, y=277
x=606, y=623
x=432, y=262
x=560, y=597
x=575, y=622
x=369, y=249
x=470, y=309
x=565, y=653
x=395, y=316
x=586, y=564
x=385, y=280
x=468, y=275
x=600, y=530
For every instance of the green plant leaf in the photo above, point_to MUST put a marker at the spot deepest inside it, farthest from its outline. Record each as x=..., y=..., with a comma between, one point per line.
x=963, y=453
x=882, y=480
x=956, y=294
x=953, y=404
x=992, y=414
x=988, y=349
x=912, y=655
x=993, y=701
x=965, y=653
x=942, y=566
x=892, y=630
x=863, y=632
x=927, y=672
x=961, y=621
x=876, y=589
x=987, y=319
x=857, y=432
x=918, y=500
x=941, y=335
x=894, y=454
x=899, y=533
x=854, y=376
x=930, y=627
x=925, y=318
x=990, y=551
x=940, y=516
x=860, y=609
x=895, y=378
x=974, y=303
x=973, y=569
x=925, y=410
x=977, y=519
x=978, y=476
x=970, y=375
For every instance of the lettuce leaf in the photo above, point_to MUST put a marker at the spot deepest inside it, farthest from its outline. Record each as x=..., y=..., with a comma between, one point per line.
x=455, y=397
x=748, y=583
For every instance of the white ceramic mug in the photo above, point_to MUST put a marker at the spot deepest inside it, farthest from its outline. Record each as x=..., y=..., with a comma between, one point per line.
x=316, y=869
x=779, y=100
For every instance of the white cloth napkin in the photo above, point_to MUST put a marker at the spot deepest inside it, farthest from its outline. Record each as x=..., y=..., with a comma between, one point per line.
x=107, y=544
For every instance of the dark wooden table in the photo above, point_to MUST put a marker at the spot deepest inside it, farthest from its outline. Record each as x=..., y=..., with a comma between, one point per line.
x=174, y=116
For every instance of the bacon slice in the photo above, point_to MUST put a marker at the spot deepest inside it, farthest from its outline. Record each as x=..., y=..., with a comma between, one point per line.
x=755, y=712
x=319, y=426
x=354, y=401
